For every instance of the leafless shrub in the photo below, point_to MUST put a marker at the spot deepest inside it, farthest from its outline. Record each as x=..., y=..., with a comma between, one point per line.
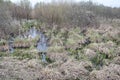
x=6, y=22
x=4, y=19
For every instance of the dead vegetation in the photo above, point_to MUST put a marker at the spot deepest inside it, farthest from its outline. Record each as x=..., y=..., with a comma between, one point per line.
x=96, y=61
x=81, y=46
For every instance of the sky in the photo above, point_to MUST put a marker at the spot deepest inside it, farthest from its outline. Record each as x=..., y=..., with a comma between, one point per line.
x=111, y=3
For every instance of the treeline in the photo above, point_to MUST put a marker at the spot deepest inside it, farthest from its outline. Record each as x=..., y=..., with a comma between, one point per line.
x=75, y=12
x=57, y=12
x=83, y=14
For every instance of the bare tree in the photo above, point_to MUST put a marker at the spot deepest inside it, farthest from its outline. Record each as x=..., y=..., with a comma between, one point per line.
x=26, y=9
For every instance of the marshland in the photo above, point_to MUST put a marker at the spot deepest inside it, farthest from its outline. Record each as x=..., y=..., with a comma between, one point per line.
x=59, y=40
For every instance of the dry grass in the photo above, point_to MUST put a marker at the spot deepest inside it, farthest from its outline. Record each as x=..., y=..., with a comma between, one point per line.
x=67, y=67
x=72, y=70
x=58, y=56
x=111, y=72
x=50, y=74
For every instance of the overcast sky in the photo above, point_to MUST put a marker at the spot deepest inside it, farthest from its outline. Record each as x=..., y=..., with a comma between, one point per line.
x=112, y=3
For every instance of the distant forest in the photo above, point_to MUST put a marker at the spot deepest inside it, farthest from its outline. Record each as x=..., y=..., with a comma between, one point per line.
x=82, y=14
